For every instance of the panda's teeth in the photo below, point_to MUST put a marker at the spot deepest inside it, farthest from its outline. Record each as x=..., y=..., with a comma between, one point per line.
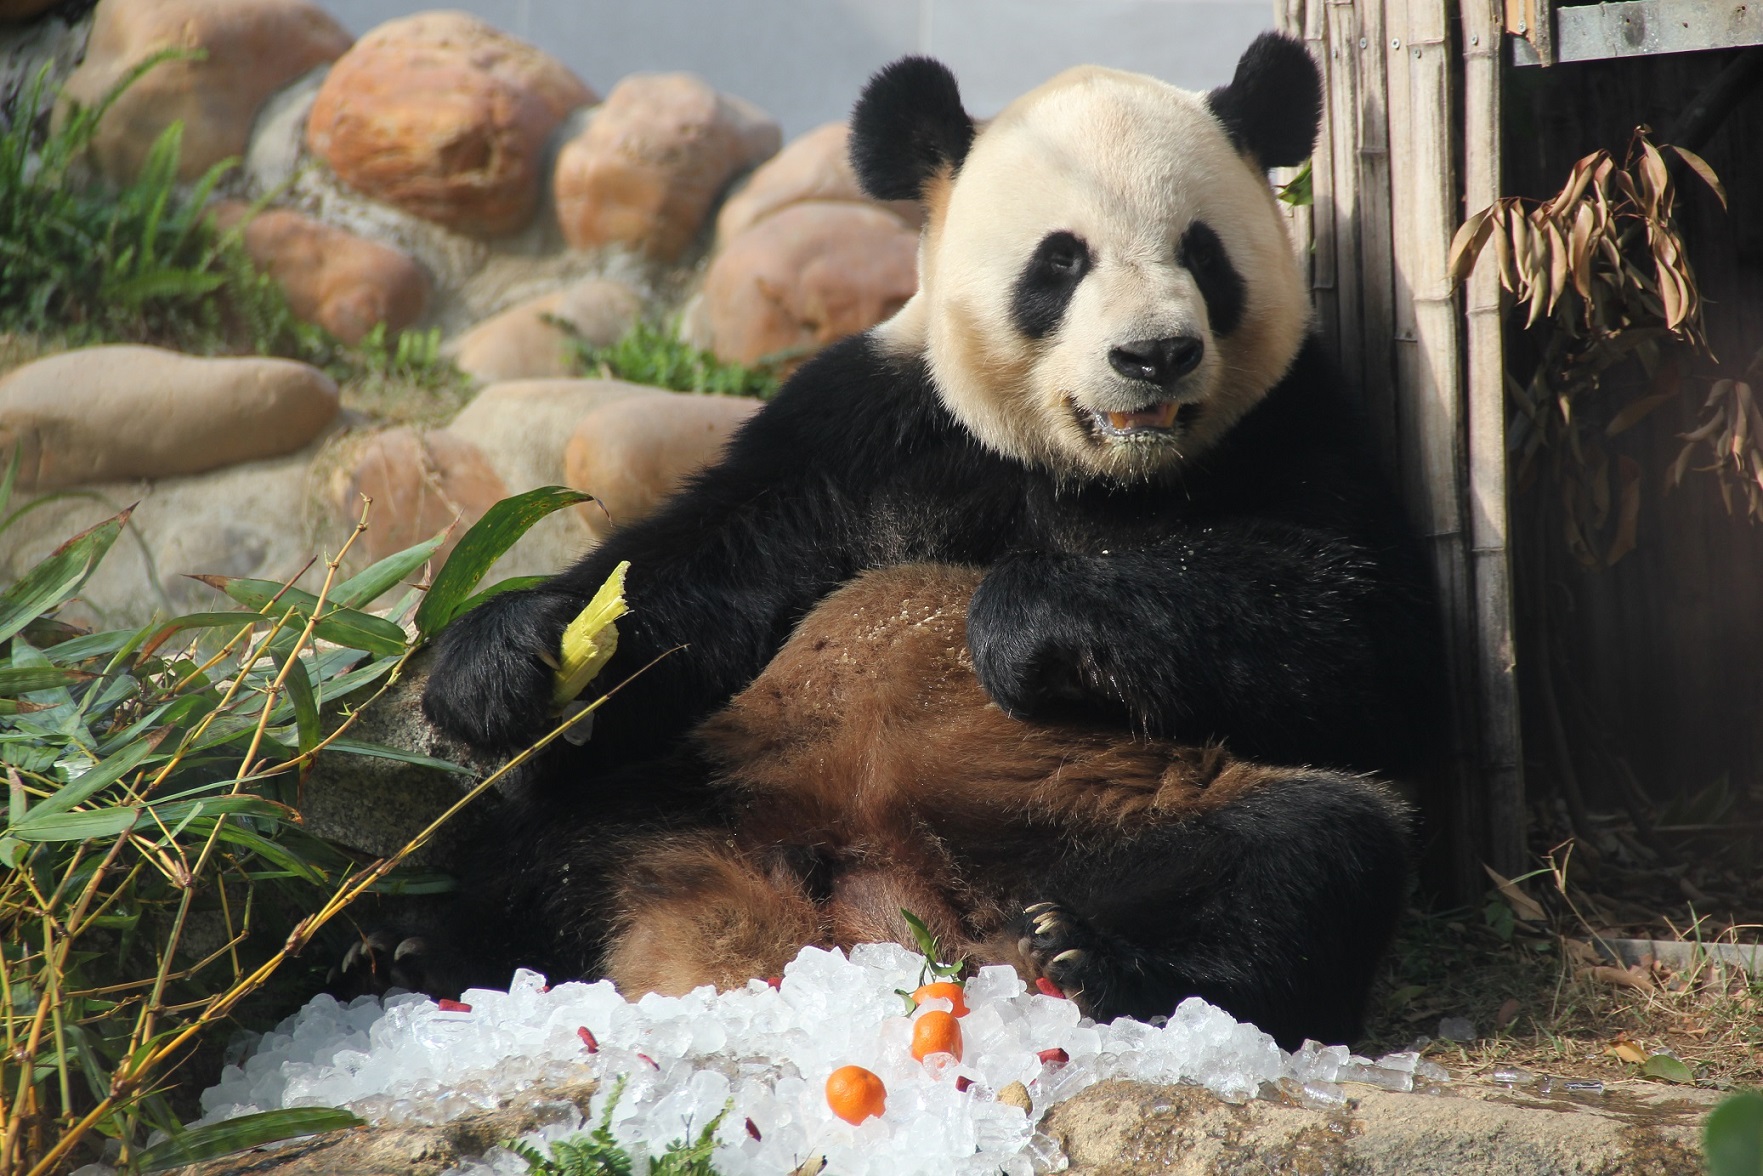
x=1161, y=416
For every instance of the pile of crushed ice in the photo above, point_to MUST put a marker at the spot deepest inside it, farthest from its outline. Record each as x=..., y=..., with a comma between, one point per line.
x=765, y=1053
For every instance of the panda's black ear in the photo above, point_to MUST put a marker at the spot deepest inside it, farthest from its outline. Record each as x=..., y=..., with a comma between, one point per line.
x=908, y=126
x=1273, y=106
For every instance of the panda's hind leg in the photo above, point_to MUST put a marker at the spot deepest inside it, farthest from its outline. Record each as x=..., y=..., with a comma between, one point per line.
x=689, y=909
x=1275, y=907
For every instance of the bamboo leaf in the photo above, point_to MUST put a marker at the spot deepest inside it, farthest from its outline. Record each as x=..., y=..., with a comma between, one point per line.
x=1700, y=167
x=1631, y=416
x=368, y=585
x=1467, y=244
x=511, y=584
x=1663, y=1065
x=82, y=826
x=480, y=547
x=342, y=626
x=381, y=751
x=59, y=576
x=88, y=784
x=16, y=680
x=305, y=705
x=247, y=1131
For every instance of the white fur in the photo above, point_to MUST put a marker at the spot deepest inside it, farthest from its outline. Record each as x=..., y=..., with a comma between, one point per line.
x=1125, y=162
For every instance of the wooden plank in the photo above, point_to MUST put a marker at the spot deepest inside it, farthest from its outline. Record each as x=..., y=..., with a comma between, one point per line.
x=1324, y=286
x=1376, y=242
x=1342, y=104
x=1429, y=374
x=1499, y=738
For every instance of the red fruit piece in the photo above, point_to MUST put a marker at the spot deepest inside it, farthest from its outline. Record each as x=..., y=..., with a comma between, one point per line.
x=753, y=1129
x=1048, y=988
x=775, y=981
x=650, y=1060
x=1055, y=1056
x=588, y=1039
x=453, y=1006
x=962, y=1082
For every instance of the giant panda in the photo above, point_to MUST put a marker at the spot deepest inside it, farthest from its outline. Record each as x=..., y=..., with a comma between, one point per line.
x=1067, y=607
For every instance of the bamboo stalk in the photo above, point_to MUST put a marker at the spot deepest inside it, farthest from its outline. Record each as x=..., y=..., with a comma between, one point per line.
x=1496, y=656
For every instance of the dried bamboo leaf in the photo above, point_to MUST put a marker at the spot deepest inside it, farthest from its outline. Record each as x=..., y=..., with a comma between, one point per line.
x=1580, y=249
x=1656, y=181
x=1680, y=467
x=1503, y=250
x=1636, y=412
x=1628, y=513
x=1466, y=246
x=1558, y=263
x=1700, y=167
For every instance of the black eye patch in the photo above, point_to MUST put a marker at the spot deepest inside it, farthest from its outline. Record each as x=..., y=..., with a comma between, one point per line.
x=1202, y=254
x=1046, y=284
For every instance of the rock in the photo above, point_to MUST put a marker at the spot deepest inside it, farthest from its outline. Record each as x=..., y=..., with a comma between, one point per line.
x=519, y=344
x=631, y=454
x=1133, y=1129
x=521, y=427
x=106, y=413
x=814, y=166
x=444, y=117
x=651, y=162
x=344, y=283
x=405, y=1151
x=252, y=47
x=421, y=484
x=376, y=806
x=806, y=275
x=263, y=519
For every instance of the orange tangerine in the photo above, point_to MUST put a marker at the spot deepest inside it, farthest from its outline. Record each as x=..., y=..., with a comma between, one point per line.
x=936, y=1032
x=855, y=1094
x=943, y=990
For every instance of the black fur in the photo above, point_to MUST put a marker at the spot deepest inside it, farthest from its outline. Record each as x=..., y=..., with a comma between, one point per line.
x=1202, y=254
x=1276, y=908
x=908, y=125
x=1273, y=105
x=1044, y=288
x=1269, y=596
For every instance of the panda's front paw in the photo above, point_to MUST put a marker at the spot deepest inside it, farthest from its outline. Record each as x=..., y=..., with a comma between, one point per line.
x=492, y=678
x=381, y=960
x=1099, y=973
x=1025, y=653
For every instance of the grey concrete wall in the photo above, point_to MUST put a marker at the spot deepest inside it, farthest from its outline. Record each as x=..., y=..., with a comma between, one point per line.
x=804, y=60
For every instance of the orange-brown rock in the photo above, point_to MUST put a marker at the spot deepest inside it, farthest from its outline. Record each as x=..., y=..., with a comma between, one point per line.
x=805, y=276
x=813, y=166
x=344, y=283
x=646, y=169
x=631, y=454
x=521, y=343
x=421, y=484
x=444, y=117
x=249, y=48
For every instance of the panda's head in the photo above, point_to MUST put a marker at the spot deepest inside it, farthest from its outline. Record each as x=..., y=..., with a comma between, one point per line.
x=1105, y=281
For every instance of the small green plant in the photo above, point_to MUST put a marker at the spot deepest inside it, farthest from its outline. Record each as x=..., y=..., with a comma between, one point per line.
x=598, y=1154
x=139, y=262
x=153, y=872
x=414, y=357
x=648, y=354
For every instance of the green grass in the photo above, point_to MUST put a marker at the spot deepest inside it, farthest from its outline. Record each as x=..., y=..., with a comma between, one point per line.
x=136, y=262
x=598, y=1153
x=648, y=354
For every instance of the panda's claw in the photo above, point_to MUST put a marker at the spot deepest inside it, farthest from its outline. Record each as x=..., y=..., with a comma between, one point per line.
x=1073, y=956
x=1040, y=907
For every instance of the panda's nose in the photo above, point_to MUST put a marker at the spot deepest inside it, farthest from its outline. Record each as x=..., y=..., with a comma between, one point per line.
x=1160, y=361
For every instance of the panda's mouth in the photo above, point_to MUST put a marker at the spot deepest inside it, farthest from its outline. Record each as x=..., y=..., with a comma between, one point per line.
x=1162, y=419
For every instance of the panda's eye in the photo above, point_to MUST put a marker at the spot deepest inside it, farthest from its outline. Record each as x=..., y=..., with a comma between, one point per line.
x=1063, y=254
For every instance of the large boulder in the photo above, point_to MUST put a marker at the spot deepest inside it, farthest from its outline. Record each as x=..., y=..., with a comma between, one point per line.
x=522, y=344
x=246, y=50
x=646, y=169
x=446, y=118
x=344, y=283
x=813, y=166
x=797, y=280
x=117, y=412
x=632, y=454
x=421, y=484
